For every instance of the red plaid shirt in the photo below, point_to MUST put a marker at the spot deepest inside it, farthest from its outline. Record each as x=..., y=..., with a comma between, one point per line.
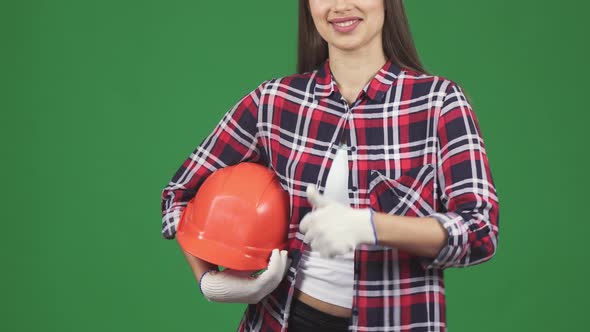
x=414, y=149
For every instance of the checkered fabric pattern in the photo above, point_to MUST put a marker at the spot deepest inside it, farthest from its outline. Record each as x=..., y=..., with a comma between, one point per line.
x=414, y=149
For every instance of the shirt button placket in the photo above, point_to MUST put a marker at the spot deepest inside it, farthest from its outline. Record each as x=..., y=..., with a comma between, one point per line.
x=351, y=149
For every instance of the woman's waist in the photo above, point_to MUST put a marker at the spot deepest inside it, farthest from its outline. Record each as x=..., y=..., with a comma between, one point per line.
x=328, y=308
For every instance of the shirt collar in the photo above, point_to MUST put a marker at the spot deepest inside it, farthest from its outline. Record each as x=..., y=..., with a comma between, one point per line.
x=374, y=90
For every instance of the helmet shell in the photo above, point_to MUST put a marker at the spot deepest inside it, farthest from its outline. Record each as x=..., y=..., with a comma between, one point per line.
x=238, y=216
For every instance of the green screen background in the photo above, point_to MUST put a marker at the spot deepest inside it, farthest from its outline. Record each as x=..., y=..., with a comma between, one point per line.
x=102, y=100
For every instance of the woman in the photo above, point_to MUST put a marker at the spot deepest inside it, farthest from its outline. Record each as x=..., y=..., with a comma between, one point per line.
x=386, y=170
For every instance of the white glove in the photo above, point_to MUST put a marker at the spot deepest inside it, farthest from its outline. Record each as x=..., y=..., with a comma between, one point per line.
x=333, y=228
x=240, y=286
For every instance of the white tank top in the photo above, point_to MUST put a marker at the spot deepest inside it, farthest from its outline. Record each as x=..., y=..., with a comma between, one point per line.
x=330, y=280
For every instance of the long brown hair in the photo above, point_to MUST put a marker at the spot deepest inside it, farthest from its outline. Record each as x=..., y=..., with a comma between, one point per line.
x=398, y=44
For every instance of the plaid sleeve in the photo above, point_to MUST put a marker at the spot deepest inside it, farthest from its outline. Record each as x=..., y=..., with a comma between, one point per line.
x=470, y=214
x=232, y=141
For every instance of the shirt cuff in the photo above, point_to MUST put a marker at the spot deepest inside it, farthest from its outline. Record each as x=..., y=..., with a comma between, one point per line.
x=455, y=248
x=170, y=224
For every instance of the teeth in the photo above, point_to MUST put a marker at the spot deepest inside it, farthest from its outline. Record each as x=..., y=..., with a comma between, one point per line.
x=345, y=24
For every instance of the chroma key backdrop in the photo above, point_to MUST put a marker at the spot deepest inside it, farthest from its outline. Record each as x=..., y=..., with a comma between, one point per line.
x=101, y=101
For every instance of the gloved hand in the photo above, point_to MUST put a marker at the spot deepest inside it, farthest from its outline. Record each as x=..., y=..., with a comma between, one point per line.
x=333, y=228
x=240, y=286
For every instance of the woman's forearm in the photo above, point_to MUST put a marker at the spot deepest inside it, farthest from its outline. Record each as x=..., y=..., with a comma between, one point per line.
x=419, y=236
x=198, y=266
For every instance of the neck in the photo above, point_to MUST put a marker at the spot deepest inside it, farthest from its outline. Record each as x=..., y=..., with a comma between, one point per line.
x=352, y=70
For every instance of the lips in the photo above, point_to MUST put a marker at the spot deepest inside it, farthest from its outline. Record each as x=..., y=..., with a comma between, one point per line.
x=345, y=24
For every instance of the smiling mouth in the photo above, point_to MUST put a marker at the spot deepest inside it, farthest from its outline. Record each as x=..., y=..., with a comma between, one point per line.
x=345, y=24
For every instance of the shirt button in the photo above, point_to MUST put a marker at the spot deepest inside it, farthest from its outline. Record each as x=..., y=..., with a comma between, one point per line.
x=354, y=189
x=353, y=149
x=355, y=311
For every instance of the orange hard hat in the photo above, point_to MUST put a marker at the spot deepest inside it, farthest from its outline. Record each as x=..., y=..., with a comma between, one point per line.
x=238, y=216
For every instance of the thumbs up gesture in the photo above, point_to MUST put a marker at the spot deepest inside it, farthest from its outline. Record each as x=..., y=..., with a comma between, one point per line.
x=332, y=228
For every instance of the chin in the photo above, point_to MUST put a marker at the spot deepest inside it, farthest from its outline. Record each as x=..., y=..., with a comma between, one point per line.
x=347, y=46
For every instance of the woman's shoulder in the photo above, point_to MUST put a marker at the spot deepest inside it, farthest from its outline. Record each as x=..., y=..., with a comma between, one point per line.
x=427, y=78
x=440, y=88
x=435, y=82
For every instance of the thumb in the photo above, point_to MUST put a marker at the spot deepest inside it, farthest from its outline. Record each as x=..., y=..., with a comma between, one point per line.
x=274, y=262
x=314, y=197
x=275, y=266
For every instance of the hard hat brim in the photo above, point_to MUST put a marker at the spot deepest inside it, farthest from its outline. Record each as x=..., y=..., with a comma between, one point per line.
x=246, y=259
